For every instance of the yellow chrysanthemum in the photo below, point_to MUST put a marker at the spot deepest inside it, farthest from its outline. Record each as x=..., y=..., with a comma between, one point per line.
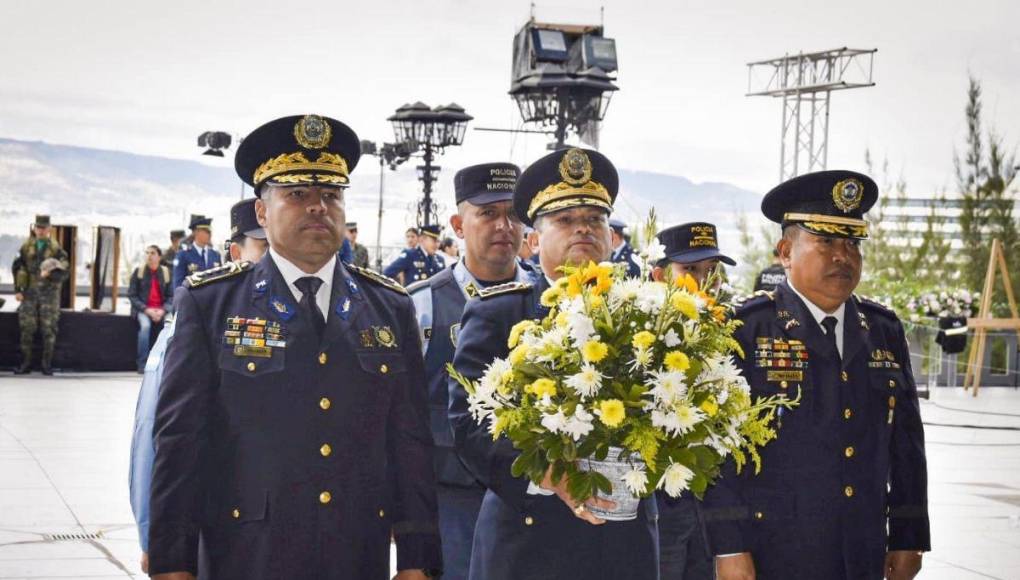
x=709, y=406
x=596, y=301
x=593, y=351
x=601, y=275
x=686, y=282
x=685, y=303
x=516, y=332
x=612, y=412
x=541, y=388
x=643, y=340
x=518, y=355
x=551, y=296
x=677, y=361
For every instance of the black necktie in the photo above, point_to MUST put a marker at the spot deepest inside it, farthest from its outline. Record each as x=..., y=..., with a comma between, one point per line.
x=829, y=322
x=309, y=286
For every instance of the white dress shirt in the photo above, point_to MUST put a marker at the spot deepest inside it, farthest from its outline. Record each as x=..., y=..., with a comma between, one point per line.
x=292, y=273
x=819, y=315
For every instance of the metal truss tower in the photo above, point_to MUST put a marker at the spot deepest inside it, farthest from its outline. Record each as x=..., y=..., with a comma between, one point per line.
x=805, y=82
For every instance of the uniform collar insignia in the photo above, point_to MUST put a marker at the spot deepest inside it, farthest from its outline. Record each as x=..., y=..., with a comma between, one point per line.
x=864, y=320
x=352, y=286
x=793, y=322
x=283, y=309
x=261, y=286
x=343, y=309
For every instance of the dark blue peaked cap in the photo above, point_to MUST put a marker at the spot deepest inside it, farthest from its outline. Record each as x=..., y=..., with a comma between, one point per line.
x=298, y=150
x=826, y=203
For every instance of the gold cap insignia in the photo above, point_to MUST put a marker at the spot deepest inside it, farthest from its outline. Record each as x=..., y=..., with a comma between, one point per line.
x=847, y=194
x=312, y=132
x=575, y=167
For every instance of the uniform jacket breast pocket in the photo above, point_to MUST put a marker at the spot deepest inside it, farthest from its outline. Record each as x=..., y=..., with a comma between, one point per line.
x=769, y=506
x=251, y=366
x=382, y=366
x=238, y=509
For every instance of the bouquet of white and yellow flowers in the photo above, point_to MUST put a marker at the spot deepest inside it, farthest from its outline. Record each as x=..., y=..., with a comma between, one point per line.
x=626, y=371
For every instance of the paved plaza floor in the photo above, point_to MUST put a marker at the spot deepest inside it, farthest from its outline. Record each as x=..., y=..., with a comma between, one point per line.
x=64, y=512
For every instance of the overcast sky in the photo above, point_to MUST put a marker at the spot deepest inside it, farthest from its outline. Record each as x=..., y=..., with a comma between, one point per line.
x=148, y=77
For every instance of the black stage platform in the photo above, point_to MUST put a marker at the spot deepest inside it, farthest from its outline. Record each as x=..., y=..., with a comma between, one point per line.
x=86, y=341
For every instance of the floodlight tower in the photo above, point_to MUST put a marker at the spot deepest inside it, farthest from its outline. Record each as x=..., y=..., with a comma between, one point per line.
x=805, y=81
x=561, y=78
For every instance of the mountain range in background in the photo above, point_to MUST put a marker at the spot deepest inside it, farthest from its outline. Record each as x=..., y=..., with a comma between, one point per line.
x=148, y=196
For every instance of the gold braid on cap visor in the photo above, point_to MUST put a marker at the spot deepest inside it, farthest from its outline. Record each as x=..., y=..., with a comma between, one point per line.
x=327, y=168
x=563, y=195
x=829, y=224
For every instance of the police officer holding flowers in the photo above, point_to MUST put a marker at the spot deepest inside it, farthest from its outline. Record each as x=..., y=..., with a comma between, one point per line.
x=527, y=531
x=843, y=491
x=292, y=436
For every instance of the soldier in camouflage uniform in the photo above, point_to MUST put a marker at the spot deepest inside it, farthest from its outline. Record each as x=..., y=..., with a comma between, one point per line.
x=39, y=272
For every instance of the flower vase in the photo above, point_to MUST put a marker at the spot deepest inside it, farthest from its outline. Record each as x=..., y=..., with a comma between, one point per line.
x=614, y=469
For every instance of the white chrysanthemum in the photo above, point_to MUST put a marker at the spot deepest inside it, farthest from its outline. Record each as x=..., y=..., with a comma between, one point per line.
x=492, y=378
x=625, y=290
x=671, y=339
x=692, y=331
x=654, y=252
x=676, y=479
x=636, y=480
x=550, y=345
x=580, y=327
x=585, y=383
x=722, y=371
x=651, y=298
x=667, y=421
x=642, y=358
x=688, y=417
x=579, y=424
x=554, y=422
x=668, y=387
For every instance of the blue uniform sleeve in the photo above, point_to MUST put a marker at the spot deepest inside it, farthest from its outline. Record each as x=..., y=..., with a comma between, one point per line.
x=142, y=450
x=180, y=269
x=482, y=338
x=397, y=266
x=181, y=429
x=909, y=527
x=410, y=448
x=725, y=508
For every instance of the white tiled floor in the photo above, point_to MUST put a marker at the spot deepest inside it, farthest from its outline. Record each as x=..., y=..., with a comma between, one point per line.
x=64, y=445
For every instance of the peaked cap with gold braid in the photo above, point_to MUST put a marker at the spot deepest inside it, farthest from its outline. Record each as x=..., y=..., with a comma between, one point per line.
x=564, y=179
x=826, y=203
x=300, y=149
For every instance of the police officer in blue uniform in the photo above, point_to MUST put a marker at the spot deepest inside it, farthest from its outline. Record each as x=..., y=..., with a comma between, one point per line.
x=486, y=221
x=526, y=531
x=292, y=436
x=421, y=262
x=691, y=248
x=622, y=250
x=199, y=255
x=843, y=491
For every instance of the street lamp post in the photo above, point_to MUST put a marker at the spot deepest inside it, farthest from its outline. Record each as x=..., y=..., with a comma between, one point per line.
x=391, y=154
x=430, y=131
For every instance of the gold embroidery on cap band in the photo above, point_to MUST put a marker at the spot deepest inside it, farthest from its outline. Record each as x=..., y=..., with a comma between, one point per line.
x=288, y=162
x=327, y=178
x=593, y=191
x=817, y=217
x=834, y=229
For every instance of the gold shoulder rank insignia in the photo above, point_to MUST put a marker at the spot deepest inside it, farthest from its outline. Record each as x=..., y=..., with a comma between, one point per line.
x=228, y=270
x=377, y=278
x=508, y=288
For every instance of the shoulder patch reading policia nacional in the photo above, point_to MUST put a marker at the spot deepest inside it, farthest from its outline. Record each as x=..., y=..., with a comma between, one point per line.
x=216, y=274
x=373, y=276
x=508, y=288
